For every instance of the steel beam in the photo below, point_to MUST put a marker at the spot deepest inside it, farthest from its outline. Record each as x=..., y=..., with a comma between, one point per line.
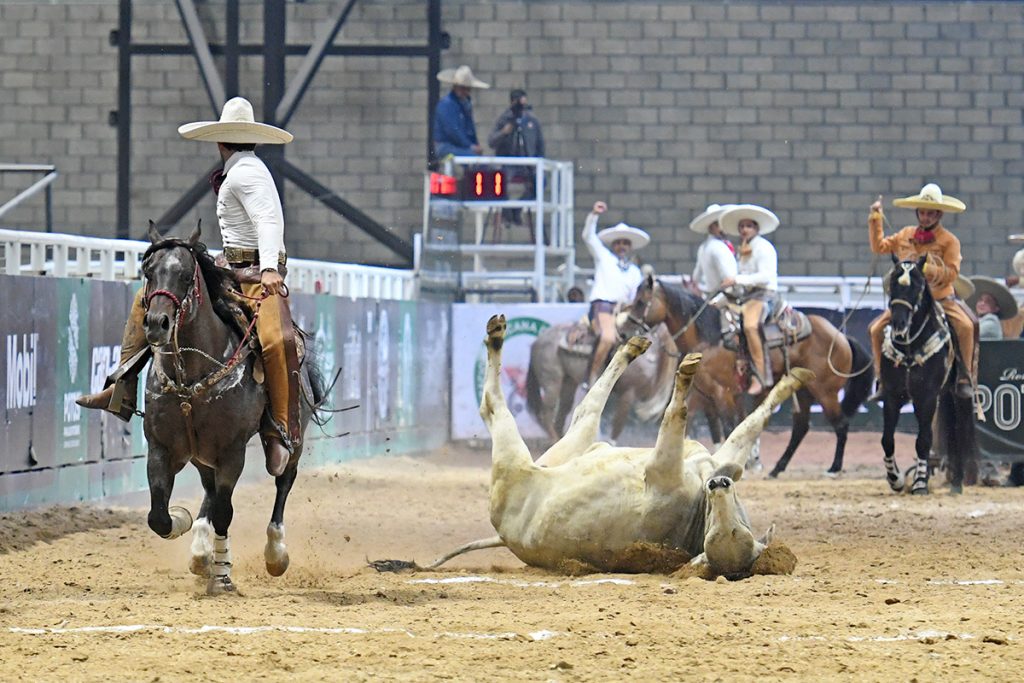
x=185, y=202
x=274, y=19
x=434, y=47
x=294, y=50
x=124, y=119
x=231, y=49
x=201, y=50
x=359, y=219
x=310, y=65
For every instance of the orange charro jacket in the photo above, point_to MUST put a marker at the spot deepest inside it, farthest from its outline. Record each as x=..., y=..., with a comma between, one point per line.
x=943, y=253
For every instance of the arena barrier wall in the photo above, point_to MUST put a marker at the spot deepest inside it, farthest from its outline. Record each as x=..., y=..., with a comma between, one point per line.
x=1001, y=377
x=62, y=337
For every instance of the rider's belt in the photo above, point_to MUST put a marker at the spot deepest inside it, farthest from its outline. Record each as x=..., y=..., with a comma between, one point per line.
x=238, y=256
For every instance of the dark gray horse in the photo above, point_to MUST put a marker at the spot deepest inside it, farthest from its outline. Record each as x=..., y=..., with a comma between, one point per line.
x=203, y=403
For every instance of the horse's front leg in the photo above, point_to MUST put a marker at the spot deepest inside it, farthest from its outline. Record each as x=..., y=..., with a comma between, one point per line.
x=221, y=514
x=925, y=403
x=890, y=415
x=201, y=563
x=166, y=522
x=275, y=553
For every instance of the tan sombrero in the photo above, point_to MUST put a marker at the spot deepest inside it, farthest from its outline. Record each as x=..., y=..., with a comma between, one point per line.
x=931, y=197
x=986, y=285
x=701, y=223
x=637, y=237
x=237, y=126
x=732, y=215
x=1017, y=239
x=1018, y=263
x=463, y=76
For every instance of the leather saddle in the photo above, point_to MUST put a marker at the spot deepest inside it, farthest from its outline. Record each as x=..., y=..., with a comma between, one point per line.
x=578, y=339
x=781, y=325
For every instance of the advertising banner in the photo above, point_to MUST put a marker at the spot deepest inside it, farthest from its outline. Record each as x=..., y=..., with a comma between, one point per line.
x=20, y=363
x=469, y=359
x=1000, y=385
x=71, y=371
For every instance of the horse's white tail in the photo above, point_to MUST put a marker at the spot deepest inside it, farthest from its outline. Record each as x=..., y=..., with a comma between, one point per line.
x=483, y=543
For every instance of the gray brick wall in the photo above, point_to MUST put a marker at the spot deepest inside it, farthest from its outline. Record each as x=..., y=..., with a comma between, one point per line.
x=810, y=108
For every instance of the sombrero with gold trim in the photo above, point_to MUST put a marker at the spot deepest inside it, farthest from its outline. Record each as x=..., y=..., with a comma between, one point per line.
x=931, y=197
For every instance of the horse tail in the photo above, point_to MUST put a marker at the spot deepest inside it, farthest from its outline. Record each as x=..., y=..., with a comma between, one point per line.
x=534, y=400
x=858, y=387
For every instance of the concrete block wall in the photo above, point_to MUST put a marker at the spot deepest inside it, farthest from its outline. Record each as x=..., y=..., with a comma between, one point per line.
x=810, y=108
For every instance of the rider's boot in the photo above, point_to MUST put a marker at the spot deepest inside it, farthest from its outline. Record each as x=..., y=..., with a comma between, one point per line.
x=121, y=386
x=277, y=455
x=756, y=368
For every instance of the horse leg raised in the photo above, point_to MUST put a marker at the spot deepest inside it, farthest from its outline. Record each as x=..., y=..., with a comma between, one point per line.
x=623, y=404
x=275, y=553
x=890, y=415
x=586, y=419
x=221, y=514
x=508, y=450
x=167, y=522
x=801, y=423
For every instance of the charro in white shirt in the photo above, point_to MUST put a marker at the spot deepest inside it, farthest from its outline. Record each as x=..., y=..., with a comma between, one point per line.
x=761, y=267
x=715, y=262
x=249, y=209
x=614, y=280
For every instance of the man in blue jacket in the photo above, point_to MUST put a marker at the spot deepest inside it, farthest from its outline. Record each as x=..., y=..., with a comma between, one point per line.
x=454, y=130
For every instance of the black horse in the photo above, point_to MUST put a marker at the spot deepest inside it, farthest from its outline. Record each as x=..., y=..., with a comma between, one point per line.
x=918, y=364
x=203, y=403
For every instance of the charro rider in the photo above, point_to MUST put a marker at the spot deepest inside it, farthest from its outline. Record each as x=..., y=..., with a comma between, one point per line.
x=616, y=278
x=716, y=258
x=758, y=275
x=929, y=238
x=252, y=230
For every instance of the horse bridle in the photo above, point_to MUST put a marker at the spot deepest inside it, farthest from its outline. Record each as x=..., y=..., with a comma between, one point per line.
x=192, y=300
x=913, y=309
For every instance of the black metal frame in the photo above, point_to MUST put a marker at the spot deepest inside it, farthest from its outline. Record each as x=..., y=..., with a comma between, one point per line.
x=279, y=102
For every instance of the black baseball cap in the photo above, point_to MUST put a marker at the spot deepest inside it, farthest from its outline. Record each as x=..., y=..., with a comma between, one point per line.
x=516, y=94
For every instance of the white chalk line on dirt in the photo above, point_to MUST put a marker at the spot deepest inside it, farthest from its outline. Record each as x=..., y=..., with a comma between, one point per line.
x=914, y=635
x=524, y=584
x=958, y=582
x=251, y=630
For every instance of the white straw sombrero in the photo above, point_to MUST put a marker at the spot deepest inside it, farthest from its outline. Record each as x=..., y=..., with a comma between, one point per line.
x=237, y=126
x=931, y=197
x=732, y=215
x=711, y=214
x=463, y=76
x=637, y=237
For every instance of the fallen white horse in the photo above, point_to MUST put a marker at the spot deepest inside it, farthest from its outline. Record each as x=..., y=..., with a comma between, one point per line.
x=592, y=502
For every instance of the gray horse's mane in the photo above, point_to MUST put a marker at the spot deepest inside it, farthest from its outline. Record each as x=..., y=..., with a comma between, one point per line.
x=709, y=323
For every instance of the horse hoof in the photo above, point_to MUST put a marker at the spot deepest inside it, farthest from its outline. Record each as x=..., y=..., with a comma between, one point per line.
x=919, y=489
x=278, y=567
x=956, y=489
x=200, y=566
x=221, y=585
x=832, y=474
x=774, y=474
x=181, y=521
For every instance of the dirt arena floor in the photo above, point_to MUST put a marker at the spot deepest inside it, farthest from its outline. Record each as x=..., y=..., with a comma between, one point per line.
x=887, y=587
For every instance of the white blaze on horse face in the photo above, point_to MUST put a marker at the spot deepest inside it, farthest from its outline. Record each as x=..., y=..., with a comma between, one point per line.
x=904, y=279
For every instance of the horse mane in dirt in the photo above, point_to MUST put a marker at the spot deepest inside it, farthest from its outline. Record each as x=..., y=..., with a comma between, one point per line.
x=219, y=281
x=709, y=323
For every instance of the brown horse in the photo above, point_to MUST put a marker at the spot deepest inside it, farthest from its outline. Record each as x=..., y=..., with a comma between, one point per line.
x=556, y=372
x=838, y=363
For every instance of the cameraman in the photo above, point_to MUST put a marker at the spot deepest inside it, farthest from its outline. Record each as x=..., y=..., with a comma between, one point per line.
x=517, y=133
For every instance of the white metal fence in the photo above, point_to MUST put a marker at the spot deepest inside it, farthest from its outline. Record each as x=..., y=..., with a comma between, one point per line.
x=58, y=255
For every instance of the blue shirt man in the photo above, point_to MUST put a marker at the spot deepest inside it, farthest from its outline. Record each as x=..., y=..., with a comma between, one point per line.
x=454, y=129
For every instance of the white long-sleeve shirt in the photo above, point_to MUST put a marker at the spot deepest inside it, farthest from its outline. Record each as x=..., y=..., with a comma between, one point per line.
x=249, y=208
x=614, y=280
x=761, y=268
x=715, y=262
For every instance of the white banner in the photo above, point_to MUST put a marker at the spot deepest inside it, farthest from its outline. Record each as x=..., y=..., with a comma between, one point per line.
x=469, y=359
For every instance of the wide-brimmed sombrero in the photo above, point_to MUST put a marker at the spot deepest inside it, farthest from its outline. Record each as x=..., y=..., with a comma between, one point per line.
x=1017, y=238
x=1018, y=263
x=637, y=237
x=711, y=214
x=463, y=76
x=236, y=125
x=732, y=215
x=931, y=197
x=1004, y=299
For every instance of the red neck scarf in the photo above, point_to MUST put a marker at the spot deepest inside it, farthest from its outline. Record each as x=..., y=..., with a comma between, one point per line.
x=922, y=236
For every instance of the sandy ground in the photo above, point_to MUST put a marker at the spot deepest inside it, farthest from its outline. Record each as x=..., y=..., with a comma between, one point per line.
x=887, y=588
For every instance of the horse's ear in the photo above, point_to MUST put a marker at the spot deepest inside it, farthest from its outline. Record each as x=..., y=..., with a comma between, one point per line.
x=649, y=281
x=154, y=234
x=194, y=237
x=921, y=261
x=895, y=261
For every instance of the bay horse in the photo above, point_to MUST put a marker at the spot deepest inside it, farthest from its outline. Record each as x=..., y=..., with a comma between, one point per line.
x=919, y=365
x=837, y=361
x=203, y=403
x=555, y=373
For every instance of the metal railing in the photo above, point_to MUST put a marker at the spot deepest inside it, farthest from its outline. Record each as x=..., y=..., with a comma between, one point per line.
x=59, y=255
x=43, y=184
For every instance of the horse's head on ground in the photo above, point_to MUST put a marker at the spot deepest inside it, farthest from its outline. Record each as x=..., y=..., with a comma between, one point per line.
x=176, y=271
x=908, y=290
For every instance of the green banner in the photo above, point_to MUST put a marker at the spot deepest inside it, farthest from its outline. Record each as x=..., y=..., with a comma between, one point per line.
x=71, y=370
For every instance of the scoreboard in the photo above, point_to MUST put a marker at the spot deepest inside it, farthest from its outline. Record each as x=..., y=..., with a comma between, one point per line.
x=476, y=184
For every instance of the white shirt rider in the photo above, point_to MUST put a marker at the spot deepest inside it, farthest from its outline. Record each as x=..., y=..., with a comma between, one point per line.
x=615, y=279
x=249, y=209
x=761, y=267
x=715, y=262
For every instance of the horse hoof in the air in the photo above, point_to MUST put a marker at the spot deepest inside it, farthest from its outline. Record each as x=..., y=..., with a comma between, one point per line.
x=275, y=554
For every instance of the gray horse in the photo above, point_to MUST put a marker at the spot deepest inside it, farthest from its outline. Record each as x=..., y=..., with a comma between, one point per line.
x=203, y=403
x=557, y=369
